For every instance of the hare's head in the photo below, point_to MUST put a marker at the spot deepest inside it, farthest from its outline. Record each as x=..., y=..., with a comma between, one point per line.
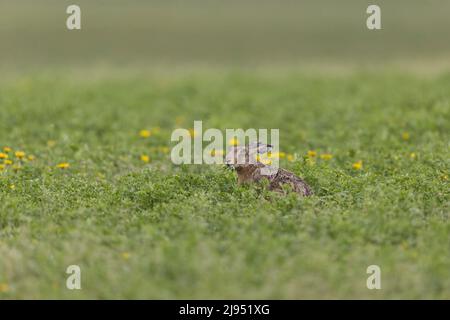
x=239, y=157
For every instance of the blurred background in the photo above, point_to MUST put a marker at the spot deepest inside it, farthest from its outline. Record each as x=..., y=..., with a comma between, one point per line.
x=326, y=33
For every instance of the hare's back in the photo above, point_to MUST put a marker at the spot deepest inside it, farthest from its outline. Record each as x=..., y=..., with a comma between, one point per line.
x=286, y=177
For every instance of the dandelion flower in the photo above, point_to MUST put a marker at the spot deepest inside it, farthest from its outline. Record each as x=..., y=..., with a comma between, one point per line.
x=192, y=133
x=326, y=156
x=312, y=153
x=405, y=136
x=7, y=149
x=290, y=157
x=3, y=155
x=164, y=149
x=145, y=158
x=31, y=157
x=145, y=133
x=276, y=155
x=2, y=166
x=8, y=162
x=357, y=165
x=19, y=154
x=12, y=187
x=17, y=167
x=233, y=141
x=63, y=165
x=412, y=155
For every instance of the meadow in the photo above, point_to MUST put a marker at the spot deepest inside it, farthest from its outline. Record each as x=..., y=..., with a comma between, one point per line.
x=143, y=229
x=86, y=177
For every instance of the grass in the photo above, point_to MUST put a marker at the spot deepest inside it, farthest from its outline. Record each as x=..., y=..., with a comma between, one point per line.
x=155, y=230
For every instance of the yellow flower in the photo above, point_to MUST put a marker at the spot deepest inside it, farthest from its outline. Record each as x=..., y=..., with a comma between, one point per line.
x=312, y=153
x=2, y=166
x=276, y=155
x=19, y=154
x=125, y=255
x=326, y=156
x=31, y=157
x=12, y=187
x=51, y=143
x=215, y=152
x=145, y=133
x=7, y=149
x=145, y=158
x=192, y=133
x=290, y=157
x=17, y=167
x=405, y=136
x=3, y=155
x=444, y=177
x=8, y=162
x=63, y=165
x=233, y=141
x=412, y=155
x=164, y=149
x=4, y=287
x=357, y=165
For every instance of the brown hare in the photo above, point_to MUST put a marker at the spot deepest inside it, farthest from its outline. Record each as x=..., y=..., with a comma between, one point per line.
x=242, y=159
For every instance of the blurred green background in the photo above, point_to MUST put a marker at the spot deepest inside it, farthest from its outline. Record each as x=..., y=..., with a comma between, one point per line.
x=415, y=33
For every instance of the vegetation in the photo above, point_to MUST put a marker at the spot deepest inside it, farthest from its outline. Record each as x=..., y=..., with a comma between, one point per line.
x=101, y=192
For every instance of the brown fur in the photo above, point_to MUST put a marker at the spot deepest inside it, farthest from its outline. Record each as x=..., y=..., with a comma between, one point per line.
x=249, y=172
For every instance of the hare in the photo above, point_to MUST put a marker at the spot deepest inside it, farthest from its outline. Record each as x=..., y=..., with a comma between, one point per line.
x=242, y=159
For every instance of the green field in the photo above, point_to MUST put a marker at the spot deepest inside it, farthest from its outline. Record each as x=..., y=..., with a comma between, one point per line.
x=154, y=230
x=150, y=229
